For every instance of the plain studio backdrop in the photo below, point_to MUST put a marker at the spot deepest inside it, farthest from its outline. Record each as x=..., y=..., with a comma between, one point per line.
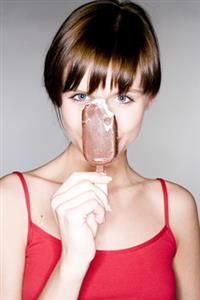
x=169, y=143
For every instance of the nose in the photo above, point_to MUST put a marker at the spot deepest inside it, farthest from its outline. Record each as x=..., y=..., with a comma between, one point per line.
x=98, y=109
x=104, y=104
x=99, y=132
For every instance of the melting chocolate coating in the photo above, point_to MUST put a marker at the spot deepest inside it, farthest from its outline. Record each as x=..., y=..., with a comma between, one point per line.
x=99, y=134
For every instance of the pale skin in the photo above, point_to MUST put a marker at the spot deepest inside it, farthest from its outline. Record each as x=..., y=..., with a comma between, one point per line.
x=136, y=202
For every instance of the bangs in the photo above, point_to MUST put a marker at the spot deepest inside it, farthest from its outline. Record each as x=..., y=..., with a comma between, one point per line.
x=108, y=42
x=123, y=73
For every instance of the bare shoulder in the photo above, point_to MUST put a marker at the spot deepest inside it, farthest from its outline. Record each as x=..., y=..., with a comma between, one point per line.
x=9, y=182
x=180, y=193
x=14, y=236
x=14, y=204
x=40, y=187
x=182, y=208
x=183, y=213
x=11, y=190
x=14, y=199
x=184, y=223
x=13, y=194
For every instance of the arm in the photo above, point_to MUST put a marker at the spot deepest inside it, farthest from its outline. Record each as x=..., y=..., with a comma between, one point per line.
x=78, y=246
x=185, y=225
x=66, y=274
x=13, y=236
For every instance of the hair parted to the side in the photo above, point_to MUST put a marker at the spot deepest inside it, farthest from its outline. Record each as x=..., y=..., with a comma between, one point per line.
x=99, y=33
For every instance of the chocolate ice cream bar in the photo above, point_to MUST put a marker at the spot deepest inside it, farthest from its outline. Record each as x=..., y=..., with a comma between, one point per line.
x=99, y=133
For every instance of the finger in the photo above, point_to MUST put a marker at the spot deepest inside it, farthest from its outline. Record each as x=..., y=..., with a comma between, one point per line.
x=76, y=202
x=80, y=198
x=79, y=213
x=92, y=223
x=77, y=190
x=77, y=177
x=103, y=187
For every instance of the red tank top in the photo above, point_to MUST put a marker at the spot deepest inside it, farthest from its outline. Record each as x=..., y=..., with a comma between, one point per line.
x=142, y=272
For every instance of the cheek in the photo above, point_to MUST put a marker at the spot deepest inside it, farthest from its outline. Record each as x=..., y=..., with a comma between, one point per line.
x=71, y=118
x=129, y=123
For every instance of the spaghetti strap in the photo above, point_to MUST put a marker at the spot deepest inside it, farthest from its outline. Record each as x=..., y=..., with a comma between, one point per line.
x=26, y=193
x=165, y=196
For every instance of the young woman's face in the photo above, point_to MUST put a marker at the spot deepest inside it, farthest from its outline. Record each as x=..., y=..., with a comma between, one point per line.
x=128, y=108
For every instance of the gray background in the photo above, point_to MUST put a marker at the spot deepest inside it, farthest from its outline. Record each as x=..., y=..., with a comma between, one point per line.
x=168, y=145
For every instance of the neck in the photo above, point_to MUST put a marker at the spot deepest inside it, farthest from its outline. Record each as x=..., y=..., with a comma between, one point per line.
x=74, y=161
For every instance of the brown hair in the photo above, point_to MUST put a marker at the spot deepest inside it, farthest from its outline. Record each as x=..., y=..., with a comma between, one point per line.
x=98, y=33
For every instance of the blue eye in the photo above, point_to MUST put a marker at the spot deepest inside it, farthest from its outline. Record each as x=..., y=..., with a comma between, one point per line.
x=80, y=97
x=120, y=99
x=124, y=99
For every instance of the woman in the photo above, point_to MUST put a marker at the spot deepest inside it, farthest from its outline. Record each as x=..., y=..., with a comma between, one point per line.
x=73, y=239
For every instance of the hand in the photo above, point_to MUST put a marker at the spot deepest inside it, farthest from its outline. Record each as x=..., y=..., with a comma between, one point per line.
x=80, y=206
